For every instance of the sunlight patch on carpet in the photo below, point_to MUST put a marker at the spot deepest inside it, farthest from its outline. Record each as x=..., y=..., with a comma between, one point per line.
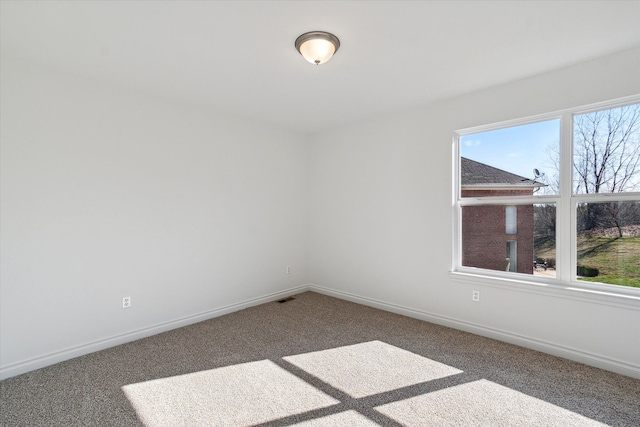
x=370, y=368
x=481, y=402
x=237, y=395
x=343, y=419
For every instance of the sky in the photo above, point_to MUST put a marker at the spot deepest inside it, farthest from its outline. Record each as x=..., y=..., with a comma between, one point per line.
x=517, y=149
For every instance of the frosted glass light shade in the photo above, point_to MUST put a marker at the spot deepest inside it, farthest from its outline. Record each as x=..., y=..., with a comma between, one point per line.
x=317, y=47
x=317, y=51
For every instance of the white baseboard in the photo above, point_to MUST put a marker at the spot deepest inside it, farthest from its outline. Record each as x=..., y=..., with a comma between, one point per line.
x=576, y=355
x=80, y=350
x=597, y=361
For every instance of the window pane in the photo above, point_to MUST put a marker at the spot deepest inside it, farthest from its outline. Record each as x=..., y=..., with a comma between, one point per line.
x=484, y=239
x=512, y=255
x=608, y=243
x=606, y=151
x=520, y=160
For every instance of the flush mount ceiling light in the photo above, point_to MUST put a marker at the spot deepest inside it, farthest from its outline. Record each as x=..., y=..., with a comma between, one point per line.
x=317, y=47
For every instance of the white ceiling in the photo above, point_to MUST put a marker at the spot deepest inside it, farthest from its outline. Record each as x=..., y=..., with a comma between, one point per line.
x=239, y=56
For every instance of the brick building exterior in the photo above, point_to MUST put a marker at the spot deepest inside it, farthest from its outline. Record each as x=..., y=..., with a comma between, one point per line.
x=492, y=236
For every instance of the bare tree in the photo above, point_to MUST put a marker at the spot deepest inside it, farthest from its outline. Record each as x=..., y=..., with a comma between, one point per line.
x=606, y=151
x=544, y=219
x=606, y=159
x=553, y=180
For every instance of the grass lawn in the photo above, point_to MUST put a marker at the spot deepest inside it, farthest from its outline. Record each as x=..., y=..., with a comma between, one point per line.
x=618, y=260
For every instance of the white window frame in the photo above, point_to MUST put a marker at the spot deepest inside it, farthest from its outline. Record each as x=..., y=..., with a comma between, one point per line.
x=566, y=281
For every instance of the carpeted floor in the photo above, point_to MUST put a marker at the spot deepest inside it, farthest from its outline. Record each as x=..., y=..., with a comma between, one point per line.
x=318, y=361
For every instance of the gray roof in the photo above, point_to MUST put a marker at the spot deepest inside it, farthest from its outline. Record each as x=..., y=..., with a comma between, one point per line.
x=476, y=174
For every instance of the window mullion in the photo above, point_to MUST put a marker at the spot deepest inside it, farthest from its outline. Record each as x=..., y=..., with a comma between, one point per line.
x=566, y=211
x=514, y=200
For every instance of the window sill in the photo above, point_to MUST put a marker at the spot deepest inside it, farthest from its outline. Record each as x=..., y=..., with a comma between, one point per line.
x=628, y=298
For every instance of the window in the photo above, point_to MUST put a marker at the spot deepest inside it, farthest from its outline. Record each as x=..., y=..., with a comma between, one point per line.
x=512, y=256
x=560, y=192
x=511, y=217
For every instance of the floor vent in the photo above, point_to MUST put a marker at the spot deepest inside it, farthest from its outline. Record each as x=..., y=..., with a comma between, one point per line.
x=282, y=301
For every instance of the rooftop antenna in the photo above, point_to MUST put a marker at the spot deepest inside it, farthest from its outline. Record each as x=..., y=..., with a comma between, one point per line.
x=536, y=175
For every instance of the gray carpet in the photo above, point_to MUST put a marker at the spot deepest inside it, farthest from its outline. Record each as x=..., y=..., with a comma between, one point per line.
x=318, y=361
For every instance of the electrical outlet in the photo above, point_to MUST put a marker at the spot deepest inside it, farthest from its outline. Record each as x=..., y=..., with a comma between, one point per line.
x=475, y=296
x=288, y=269
x=126, y=302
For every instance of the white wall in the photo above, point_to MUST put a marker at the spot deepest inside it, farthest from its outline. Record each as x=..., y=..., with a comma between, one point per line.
x=381, y=220
x=108, y=193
